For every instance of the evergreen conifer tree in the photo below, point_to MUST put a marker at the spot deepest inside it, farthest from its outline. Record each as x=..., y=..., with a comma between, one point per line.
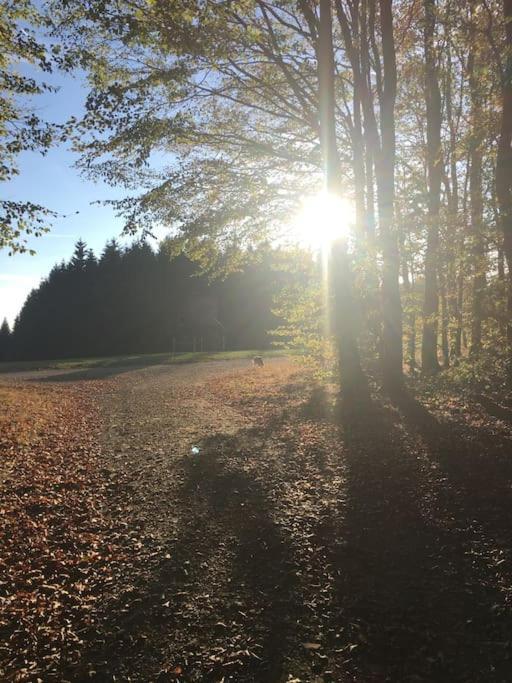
x=5, y=340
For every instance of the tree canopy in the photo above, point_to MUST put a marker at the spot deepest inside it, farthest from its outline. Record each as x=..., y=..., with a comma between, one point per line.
x=21, y=128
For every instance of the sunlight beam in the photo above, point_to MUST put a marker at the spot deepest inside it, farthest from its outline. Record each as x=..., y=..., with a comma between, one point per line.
x=322, y=219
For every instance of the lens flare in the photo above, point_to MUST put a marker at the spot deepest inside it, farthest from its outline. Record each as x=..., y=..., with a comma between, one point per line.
x=323, y=218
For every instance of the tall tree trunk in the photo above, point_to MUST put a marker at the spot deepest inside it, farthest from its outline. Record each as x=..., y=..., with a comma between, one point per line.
x=504, y=169
x=350, y=33
x=382, y=148
x=459, y=328
x=409, y=314
x=359, y=170
x=453, y=247
x=351, y=375
x=477, y=244
x=358, y=140
x=445, y=344
x=501, y=264
x=392, y=353
x=461, y=281
x=370, y=133
x=502, y=319
x=429, y=361
x=477, y=248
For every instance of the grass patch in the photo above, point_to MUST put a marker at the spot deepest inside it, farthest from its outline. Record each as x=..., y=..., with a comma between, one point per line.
x=135, y=360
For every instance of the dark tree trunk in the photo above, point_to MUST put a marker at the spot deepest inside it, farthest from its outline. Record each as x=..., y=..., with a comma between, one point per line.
x=382, y=149
x=350, y=33
x=429, y=361
x=476, y=237
x=501, y=265
x=477, y=248
x=351, y=376
x=370, y=133
x=359, y=170
x=504, y=169
x=457, y=337
x=409, y=318
x=445, y=345
x=453, y=246
x=392, y=353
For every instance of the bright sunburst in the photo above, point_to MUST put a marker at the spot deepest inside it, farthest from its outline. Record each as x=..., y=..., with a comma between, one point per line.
x=322, y=219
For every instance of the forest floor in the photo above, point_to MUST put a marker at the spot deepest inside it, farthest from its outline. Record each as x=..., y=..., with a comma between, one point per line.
x=301, y=543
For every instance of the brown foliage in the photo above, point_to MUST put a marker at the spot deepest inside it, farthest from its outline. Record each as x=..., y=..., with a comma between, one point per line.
x=56, y=556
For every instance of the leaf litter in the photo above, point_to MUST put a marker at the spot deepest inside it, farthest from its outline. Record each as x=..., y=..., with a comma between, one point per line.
x=299, y=548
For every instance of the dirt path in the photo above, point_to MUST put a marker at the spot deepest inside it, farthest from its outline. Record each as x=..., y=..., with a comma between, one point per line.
x=152, y=420
x=297, y=545
x=220, y=595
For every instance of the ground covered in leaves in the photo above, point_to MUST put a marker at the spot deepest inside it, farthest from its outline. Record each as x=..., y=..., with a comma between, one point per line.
x=59, y=545
x=295, y=542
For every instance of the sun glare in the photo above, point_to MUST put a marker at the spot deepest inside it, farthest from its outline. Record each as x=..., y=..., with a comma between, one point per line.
x=322, y=219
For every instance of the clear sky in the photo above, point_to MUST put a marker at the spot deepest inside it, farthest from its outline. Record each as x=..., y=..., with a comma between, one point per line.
x=52, y=181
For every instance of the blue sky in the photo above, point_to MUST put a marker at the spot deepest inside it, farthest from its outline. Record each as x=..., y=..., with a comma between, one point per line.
x=52, y=181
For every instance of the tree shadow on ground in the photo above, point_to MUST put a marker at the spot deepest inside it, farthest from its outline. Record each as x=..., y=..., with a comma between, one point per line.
x=225, y=572
x=398, y=574
x=86, y=374
x=494, y=408
x=318, y=405
x=263, y=574
x=475, y=460
x=420, y=599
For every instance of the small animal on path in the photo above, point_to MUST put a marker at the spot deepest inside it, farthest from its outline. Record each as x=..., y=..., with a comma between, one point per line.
x=257, y=361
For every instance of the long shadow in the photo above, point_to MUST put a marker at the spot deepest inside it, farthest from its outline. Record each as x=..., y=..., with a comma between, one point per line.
x=317, y=406
x=262, y=562
x=418, y=606
x=86, y=374
x=494, y=408
x=105, y=371
x=221, y=507
x=413, y=599
x=476, y=461
x=137, y=360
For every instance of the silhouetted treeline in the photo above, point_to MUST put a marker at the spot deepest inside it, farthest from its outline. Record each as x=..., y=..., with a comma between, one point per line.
x=134, y=300
x=5, y=339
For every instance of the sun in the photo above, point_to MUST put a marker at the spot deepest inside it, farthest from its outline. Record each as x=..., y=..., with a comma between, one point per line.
x=322, y=219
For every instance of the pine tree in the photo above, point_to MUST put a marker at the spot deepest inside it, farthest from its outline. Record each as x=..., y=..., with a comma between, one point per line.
x=5, y=340
x=137, y=301
x=80, y=255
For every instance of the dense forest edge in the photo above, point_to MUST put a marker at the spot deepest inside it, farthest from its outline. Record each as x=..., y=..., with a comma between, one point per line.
x=138, y=300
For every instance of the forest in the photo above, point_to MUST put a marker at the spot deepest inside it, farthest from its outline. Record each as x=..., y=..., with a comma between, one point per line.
x=333, y=177
x=134, y=300
x=403, y=108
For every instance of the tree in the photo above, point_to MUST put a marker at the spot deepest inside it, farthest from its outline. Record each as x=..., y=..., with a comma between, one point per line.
x=20, y=128
x=476, y=143
x=352, y=379
x=435, y=165
x=134, y=300
x=385, y=171
x=454, y=236
x=246, y=138
x=373, y=22
x=232, y=95
x=504, y=161
x=80, y=257
x=5, y=340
